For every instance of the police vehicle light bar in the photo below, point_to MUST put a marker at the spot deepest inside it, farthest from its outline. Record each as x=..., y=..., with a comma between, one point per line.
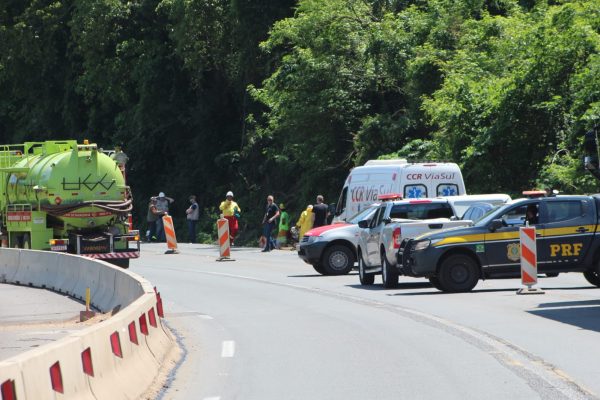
x=534, y=193
x=389, y=196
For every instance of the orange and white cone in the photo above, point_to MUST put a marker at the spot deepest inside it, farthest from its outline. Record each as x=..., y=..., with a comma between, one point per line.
x=528, y=261
x=224, y=243
x=170, y=234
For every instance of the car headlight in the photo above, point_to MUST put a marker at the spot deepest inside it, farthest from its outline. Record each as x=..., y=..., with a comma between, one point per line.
x=314, y=239
x=424, y=244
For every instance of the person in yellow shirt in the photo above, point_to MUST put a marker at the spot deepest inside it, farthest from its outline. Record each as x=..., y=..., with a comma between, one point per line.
x=231, y=211
x=305, y=222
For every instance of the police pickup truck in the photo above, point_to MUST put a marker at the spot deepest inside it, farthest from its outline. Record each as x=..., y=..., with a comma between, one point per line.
x=396, y=219
x=454, y=260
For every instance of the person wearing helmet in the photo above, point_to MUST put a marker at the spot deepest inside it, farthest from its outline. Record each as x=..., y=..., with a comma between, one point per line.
x=284, y=226
x=162, y=205
x=231, y=211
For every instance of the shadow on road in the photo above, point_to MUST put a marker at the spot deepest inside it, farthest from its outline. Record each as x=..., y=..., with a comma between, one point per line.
x=475, y=291
x=584, y=314
x=316, y=275
x=404, y=285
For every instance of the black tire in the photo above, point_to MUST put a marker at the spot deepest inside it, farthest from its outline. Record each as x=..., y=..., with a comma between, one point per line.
x=365, y=278
x=458, y=273
x=389, y=274
x=120, y=262
x=319, y=268
x=338, y=260
x=593, y=277
x=551, y=274
x=435, y=282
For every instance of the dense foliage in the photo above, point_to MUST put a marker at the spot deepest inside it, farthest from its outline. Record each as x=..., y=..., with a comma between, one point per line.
x=284, y=96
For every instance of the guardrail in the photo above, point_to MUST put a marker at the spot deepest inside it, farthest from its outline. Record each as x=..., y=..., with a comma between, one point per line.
x=118, y=358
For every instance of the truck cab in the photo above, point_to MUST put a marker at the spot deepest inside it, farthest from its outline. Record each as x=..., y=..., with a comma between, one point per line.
x=567, y=241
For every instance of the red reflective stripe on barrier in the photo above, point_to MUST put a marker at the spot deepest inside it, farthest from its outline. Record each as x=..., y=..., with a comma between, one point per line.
x=115, y=343
x=143, y=325
x=86, y=360
x=8, y=390
x=133, y=333
x=152, y=317
x=159, y=307
x=56, y=378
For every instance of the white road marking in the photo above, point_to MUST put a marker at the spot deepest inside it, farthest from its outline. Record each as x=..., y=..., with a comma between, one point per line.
x=228, y=349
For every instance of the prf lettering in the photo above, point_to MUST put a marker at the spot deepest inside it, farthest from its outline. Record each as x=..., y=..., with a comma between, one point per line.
x=565, y=249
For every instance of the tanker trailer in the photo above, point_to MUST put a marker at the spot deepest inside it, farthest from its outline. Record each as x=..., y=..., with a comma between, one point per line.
x=69, y=197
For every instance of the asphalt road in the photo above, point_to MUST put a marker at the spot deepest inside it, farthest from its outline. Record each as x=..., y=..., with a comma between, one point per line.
x=266, y=326
x=32, y=317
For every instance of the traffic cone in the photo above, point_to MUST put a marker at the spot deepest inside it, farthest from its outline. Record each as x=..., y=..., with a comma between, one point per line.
x=170, y=235
x=224, y=244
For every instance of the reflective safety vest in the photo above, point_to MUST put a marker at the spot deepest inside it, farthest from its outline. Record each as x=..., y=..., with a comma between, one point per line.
x=284, y=221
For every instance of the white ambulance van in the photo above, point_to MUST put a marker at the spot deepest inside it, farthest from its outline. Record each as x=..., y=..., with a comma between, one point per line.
x=412, y=180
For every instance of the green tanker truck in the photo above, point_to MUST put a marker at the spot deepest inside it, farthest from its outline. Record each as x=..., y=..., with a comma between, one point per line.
x=69, y=197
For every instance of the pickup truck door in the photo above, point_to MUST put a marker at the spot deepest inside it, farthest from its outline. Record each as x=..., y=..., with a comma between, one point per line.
x=566, y=233
x=375, y=229
x=502, y=249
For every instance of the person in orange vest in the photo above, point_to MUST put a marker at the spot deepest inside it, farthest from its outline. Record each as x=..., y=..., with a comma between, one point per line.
x=231, y=212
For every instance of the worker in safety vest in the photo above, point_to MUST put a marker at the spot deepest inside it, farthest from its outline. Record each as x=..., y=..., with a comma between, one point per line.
x=231, y=212
x=284, y=226
x=305, y=222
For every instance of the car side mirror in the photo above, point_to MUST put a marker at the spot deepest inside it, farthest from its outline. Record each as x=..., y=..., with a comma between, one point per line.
x=363, y=224
x=387, y=220
x=496, y=224
x=454, y=218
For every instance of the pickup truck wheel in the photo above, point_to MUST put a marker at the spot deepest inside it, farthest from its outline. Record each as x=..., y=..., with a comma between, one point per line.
x=458, y=273
x=319, y=268
x=365, y=278
x=435, y=282
x=389, y=273
x=593, y=277
x=338, y=260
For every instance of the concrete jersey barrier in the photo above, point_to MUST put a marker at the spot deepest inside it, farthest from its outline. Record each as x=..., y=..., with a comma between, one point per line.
x=118, y=358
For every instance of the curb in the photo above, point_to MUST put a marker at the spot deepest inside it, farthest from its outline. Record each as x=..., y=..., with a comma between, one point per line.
x=118, y=358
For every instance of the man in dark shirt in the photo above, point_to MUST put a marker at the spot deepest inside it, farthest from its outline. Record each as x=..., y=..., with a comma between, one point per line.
x=271, y=214
x=320, y=212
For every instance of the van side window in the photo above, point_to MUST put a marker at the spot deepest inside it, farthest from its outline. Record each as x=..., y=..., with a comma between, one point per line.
x=447, y=189
x=415, y=191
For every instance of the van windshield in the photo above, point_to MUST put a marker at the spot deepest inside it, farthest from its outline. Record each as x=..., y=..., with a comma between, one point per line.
x=362, y=215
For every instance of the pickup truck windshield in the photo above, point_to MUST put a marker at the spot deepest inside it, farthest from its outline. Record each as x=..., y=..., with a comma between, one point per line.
x=422, y=211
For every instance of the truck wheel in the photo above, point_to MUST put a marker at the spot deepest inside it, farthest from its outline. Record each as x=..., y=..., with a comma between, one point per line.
x=120, y=262
x=458, y=273
x=435, y=282
x=593, y=277
x=319, y=268
x=338, y=260
x=389, y=273
x=365, y=278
